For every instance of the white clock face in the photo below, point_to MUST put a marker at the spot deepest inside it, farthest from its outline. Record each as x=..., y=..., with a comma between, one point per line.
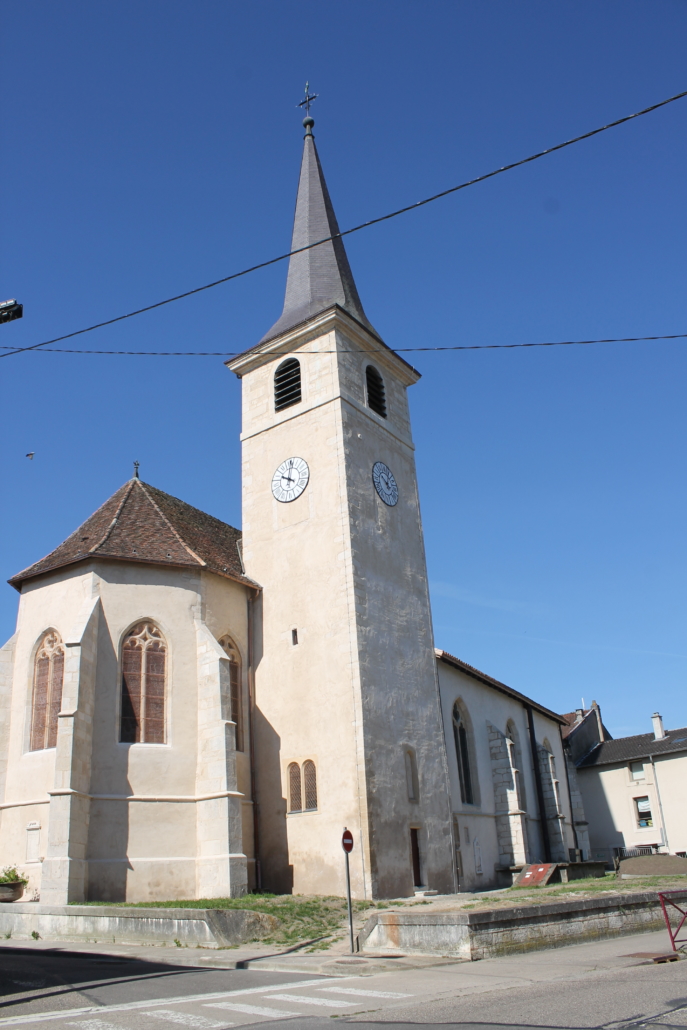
x=385, y=484
x=290, y=479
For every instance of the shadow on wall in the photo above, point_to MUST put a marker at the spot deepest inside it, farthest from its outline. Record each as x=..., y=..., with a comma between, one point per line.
x=108, y=829
x=276, y=873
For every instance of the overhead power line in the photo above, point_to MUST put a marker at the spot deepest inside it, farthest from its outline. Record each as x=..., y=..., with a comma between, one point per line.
x=367, y=350
x=356, y=228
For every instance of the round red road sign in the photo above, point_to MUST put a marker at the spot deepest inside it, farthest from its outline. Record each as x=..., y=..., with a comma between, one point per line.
x=347, y=841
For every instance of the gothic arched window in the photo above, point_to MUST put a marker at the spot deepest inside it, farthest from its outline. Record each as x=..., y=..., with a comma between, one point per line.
x=235, y=706
x=143, y=685
x=515, y=754
x=376, y=395
x=48, y=674
x=460, y=736
x=310, y=786
x=287, y=384
x=295, y=802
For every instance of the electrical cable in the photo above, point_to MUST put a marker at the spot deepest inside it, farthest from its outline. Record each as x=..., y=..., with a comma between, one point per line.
x=356, y=228
x=367, y=350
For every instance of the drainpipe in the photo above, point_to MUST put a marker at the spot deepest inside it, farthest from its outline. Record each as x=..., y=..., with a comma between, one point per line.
x=567, y=781
x=540, y=789
x=660, y=806
x=251, y=721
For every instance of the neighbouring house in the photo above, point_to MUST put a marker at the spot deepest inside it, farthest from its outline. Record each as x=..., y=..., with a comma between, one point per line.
x=633, y=788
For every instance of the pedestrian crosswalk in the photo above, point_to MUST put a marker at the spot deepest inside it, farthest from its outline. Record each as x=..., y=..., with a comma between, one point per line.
x=332, y=996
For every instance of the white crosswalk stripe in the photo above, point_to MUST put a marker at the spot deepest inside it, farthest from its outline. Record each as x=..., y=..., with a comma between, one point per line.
x=251, y=1010
x=302, y=1000
x=365, y=994
x=186, y=1019
x=93, y=1024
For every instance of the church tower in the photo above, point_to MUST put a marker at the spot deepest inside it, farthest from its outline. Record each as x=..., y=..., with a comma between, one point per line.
x=347, y=723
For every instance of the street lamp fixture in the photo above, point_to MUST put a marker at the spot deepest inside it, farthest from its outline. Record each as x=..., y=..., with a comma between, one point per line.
x=9, y=310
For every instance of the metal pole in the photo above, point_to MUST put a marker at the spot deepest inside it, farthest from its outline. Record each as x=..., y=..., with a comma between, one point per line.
x=348, y=898
x=664, y=830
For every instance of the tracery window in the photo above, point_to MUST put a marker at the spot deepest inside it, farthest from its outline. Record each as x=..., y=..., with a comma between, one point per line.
x=287, y=384
x=460, y=736
x=376, y=395
x=235, y=705
x=302, y=787
x=295, y=803
x=48, y=674
x=144, y=655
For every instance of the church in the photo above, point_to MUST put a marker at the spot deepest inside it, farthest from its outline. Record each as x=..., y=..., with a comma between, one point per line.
x=192, y=711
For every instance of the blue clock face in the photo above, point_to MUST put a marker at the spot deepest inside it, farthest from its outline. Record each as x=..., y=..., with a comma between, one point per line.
x=385, y=484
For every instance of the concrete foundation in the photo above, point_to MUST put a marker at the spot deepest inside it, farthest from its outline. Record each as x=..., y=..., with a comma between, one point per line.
x=477, y=935
x=205, y=928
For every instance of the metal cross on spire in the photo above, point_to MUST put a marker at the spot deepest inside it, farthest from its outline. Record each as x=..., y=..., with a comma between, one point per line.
x=309, y=97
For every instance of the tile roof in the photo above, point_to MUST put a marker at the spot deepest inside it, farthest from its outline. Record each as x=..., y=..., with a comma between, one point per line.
x=142, y=524
x=450, y=659
x=629, y=749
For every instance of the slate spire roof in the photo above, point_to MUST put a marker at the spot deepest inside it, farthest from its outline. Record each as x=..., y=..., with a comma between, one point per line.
x=142, y=524
x=318, y=278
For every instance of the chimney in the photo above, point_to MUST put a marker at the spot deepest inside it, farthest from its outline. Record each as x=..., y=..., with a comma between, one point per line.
x=659, y=732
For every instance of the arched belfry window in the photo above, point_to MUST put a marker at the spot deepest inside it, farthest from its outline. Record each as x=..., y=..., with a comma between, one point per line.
x=144, y=656
x=376, y=395
x=235, y=706
x=461, y=738
x=48, y=674
x=287, y=384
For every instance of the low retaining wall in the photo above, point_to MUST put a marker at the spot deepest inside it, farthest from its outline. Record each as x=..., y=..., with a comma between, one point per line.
x=477, y=935
x=207, y=927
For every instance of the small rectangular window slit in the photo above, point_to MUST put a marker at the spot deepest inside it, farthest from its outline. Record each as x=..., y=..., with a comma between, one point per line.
x=294, y=637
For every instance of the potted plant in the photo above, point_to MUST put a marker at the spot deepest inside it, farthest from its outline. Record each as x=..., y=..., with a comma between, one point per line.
x=11, y=884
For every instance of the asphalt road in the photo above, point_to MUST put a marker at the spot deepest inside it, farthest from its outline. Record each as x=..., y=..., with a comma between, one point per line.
x=602, y=986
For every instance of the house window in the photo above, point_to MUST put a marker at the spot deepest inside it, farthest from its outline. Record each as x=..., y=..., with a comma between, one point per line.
x=460, y=736
x=376, y=396
x=411, y=776
x=48, y=673
x=287, y=384
x=295, y=802
x=235, y=706
x=643, y=806
x=143, y=686
x=637, y=770
x=310, y=786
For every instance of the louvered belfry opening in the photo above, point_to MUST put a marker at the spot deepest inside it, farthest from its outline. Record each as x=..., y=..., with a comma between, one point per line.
x=376, y=397
x=287, y=384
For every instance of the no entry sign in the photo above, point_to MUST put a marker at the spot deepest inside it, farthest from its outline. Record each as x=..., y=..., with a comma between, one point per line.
x=347, y=841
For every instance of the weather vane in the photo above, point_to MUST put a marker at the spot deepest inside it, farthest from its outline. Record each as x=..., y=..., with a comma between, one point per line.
x=309, y=97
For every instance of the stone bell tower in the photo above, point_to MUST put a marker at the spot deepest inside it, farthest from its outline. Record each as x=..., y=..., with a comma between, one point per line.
x=347, y=724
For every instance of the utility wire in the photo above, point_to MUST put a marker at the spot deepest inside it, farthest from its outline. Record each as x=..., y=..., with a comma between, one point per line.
x=356, y=228
x=379, y=350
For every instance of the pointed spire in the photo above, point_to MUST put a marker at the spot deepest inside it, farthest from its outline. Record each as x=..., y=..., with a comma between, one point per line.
x=321, y=277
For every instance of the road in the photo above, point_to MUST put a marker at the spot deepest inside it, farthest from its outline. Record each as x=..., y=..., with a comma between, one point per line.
x=604, y=985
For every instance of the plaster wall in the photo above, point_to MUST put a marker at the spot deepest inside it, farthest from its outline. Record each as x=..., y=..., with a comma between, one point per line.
x=348, y=574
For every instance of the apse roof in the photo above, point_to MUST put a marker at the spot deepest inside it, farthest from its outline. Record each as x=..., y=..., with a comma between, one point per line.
x=140, y=523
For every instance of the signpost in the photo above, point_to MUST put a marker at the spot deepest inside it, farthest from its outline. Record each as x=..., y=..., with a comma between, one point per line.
x=347, y=845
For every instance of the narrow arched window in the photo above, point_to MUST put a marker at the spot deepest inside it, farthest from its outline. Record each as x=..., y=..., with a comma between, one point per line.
x=287, y=384
x=295, y=802
x=310, y=786
x=48, y=674
x=143, y=685
x=376, y=396
x=411, y=776
x=515, y=755
x=460, y=736
x=235, y=705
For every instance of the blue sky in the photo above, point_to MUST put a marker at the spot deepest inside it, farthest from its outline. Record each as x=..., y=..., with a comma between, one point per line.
x=154, y=146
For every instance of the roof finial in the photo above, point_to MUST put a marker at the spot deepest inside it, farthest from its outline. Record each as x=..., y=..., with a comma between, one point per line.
x=137, y=465
x=308, y=122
